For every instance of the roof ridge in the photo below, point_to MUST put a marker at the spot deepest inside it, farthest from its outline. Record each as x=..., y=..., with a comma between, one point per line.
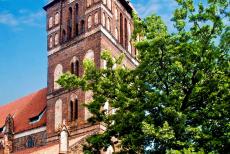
x=21, y=98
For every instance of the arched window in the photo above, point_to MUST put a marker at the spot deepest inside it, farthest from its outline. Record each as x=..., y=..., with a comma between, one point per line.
x=96, y=18
x=50, y=22
x=58, y=114
x=116, y=14
x=76, y=109
x=70, y=23
x=121, y=28
x=88, y=99
x=76, y=14
x=72, y=68
x=30, y=142
x=51, y=42
x=57, y=74
x=57, y=18
x=75, y=69
x=64, y=36
x=82, y=26
x=116, y=34
x=103, y=19
x=129, y=37
x=89, y=55
x=89, y=22
x=108, y=26
x=73, y=111
x=109, y=4
x=89, y=2
x=56, y=40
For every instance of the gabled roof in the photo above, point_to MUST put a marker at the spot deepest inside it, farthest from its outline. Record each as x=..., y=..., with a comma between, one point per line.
x=25, y=109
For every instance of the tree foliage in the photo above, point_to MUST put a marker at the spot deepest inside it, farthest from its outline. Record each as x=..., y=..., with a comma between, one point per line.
x=177, y=99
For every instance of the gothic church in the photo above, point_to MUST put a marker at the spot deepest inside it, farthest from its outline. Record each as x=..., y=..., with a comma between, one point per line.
x=53, y=120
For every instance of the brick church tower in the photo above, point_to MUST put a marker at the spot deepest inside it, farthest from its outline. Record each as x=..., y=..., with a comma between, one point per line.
x=76, y=30
x=53, y=120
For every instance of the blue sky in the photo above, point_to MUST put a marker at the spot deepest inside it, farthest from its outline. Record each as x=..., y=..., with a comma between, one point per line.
x=23, y=54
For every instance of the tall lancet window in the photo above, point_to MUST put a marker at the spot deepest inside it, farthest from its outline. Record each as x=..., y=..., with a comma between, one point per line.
x=57, y=74
x=73, y=109
x=70, y=23
x=109, y=4
x=50, y=22
x=126, y=34
x=89, y=21
x=121, y=29
x=57, y=18
x=58, y=114
x=30, y=142
x=103, y=19
x=75, y=69
x=82, y=26
x=76, y=17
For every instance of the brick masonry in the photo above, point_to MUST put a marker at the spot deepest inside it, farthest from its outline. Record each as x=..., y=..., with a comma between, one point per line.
x=96, y=38
x=22, y=142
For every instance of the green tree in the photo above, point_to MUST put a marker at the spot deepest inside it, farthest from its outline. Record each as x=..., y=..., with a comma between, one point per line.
x=177, y=99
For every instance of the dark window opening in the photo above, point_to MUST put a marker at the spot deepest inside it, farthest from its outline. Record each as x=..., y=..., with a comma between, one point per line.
x=70, y=23
x=76, y=14
x=76, y=109
x=82, y=26
x=77, y=31
x=30, y=142
x=77, y=68
x=37, y=118
x=71, y=111
x=64, y=36
x=126, y=34
x=121, y=29
x=72, y=68
x=70, y=32
x=1, y=129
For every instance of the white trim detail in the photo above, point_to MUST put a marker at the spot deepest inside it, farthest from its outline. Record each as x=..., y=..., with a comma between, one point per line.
x=110, y=37
x=53, y=30
x=39, y=118
x=54, y=50
x=30, y=132
x=92, y=9
x=107, y=10
x=97, y=7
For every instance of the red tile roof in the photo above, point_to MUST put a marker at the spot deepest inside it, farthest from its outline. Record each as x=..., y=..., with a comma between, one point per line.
x=23, y=109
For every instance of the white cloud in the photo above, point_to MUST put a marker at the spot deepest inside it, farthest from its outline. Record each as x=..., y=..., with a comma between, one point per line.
x=8, y=19
x=24, y=17
x=163, y=8
x=148, y=7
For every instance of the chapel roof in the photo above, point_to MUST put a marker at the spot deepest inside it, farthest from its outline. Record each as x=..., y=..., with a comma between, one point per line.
x=28, y=112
